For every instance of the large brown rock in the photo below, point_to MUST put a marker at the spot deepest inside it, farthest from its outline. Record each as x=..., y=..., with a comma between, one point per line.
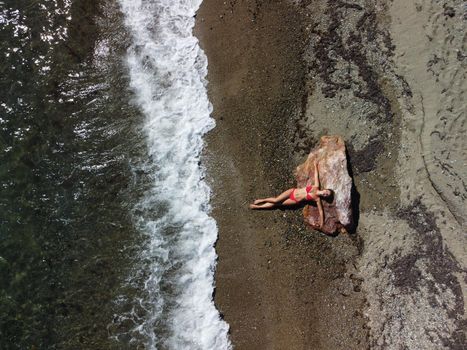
x=332, y=168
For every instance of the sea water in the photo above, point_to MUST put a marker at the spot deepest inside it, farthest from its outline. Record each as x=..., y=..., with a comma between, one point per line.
x=105, y=236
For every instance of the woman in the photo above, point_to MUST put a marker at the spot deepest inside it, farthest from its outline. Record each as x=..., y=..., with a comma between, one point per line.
x=294, y=196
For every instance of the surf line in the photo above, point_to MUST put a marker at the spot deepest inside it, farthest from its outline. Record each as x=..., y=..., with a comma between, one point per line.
x=167, y=70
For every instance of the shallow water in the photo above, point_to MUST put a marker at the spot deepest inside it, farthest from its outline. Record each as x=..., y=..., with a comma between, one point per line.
x=93, y=254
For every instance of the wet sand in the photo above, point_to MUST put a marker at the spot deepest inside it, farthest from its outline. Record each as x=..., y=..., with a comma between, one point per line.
x=280, y=76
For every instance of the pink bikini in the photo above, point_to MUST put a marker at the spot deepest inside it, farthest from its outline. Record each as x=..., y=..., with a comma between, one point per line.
x=309, y=195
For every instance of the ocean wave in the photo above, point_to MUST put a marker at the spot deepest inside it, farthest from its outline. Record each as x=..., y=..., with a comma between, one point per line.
x=167, y=71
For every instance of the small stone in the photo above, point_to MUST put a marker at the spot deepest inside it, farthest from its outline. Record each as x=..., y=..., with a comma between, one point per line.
x=449, y=11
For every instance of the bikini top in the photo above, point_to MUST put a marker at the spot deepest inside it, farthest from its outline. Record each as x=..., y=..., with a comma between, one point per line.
x=309, y=193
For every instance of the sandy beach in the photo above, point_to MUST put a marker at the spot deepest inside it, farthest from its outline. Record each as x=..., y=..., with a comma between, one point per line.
x=389, y=78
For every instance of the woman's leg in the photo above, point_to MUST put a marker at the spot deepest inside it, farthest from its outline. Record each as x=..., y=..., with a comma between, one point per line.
x=280, y=198
x=289, y=202
x=267, y=205
x=284, y=195
x=263, y=200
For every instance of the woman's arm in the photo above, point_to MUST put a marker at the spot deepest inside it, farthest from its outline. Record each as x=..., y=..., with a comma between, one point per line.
x=321, y=213
x=317, y=175
x=318, y=201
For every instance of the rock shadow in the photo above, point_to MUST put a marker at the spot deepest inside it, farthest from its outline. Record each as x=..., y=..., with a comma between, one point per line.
x=355, y=197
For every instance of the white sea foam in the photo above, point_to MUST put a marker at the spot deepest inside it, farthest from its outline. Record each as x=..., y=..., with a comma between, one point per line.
x=167, y=74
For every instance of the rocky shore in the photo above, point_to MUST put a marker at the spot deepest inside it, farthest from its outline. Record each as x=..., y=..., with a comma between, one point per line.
x=390, y=78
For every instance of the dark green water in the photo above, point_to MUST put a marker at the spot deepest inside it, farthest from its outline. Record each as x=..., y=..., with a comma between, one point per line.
x=68, y=140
